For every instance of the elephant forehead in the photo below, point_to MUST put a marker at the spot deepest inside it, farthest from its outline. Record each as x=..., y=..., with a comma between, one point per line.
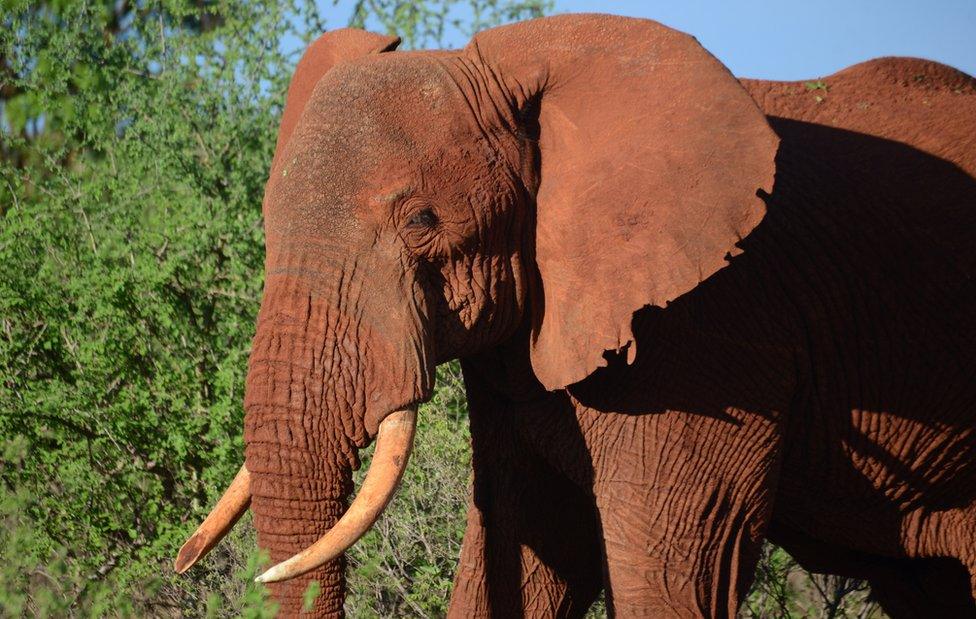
x=316, y=184
x=327, y=181
x=366, y=124
x=392, y=100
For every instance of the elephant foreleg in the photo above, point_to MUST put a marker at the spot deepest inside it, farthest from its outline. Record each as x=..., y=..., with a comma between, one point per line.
x=511, y=567
x=683, y=505
x=532, y=544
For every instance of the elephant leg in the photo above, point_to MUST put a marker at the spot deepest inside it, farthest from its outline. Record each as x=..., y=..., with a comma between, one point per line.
x=528, y=560
x=532, y=543
x=683, y=504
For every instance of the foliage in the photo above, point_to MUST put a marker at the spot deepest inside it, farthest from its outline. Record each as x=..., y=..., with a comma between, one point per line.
x=428, y=24
x=784, y=589
x=132, y=254
x=135, y=142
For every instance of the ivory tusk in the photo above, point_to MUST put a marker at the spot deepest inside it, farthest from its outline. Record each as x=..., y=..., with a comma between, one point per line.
x=221, y=519
x=393, y=444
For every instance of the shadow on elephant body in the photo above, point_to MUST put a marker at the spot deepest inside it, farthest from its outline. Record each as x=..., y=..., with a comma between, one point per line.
x=848, y=316
x=881, y=270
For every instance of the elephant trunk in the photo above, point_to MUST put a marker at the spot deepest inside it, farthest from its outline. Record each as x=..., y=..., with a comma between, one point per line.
x=290, y=513
x=393, y=445
x=301, y=440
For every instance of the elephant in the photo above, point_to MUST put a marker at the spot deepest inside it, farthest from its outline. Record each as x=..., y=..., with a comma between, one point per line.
x=692, y=312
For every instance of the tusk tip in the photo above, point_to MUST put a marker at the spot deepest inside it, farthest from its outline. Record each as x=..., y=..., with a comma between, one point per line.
x=189, y=554
x=232, y=504
x=273, y=574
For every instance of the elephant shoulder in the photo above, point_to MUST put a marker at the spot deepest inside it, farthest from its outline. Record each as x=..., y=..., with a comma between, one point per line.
x=921, y=103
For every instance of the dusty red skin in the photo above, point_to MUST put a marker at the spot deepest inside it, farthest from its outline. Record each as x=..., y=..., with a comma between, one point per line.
x=514, y=203
x=301, y=442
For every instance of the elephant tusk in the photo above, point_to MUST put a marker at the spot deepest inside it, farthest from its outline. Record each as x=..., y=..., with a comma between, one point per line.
x=393, y=444
x=221, y=519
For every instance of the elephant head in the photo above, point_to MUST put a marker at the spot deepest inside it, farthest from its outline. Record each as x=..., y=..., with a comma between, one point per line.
x=557, y=174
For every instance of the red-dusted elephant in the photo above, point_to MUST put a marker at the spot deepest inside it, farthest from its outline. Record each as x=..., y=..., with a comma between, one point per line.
x=668, y=355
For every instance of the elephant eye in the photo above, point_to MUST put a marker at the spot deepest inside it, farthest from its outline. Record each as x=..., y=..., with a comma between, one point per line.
x=425, y=219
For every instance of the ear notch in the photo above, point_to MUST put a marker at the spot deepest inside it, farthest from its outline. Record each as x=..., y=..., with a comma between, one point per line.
x=330, y=49
x=651, y=158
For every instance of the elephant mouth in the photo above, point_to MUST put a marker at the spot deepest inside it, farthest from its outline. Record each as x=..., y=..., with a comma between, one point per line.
x=394, y=442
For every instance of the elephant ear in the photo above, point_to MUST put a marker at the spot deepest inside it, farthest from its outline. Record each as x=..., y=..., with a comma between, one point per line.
x=650, y=158
x=327, y=51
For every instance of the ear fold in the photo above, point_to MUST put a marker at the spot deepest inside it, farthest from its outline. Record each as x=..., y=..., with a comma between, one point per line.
x=651, y=158
x=324, y=53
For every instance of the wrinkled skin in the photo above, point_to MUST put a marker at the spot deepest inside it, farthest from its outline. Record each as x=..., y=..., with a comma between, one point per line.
x=529, y=205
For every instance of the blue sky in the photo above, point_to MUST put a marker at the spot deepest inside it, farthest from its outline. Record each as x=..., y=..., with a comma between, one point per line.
x=795, y=39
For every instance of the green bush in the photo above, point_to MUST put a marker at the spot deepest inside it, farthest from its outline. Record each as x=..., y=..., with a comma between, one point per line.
x=132, y=272
x=136, y=139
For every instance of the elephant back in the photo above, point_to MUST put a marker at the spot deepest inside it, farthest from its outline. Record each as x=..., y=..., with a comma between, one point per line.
x=923, y=104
